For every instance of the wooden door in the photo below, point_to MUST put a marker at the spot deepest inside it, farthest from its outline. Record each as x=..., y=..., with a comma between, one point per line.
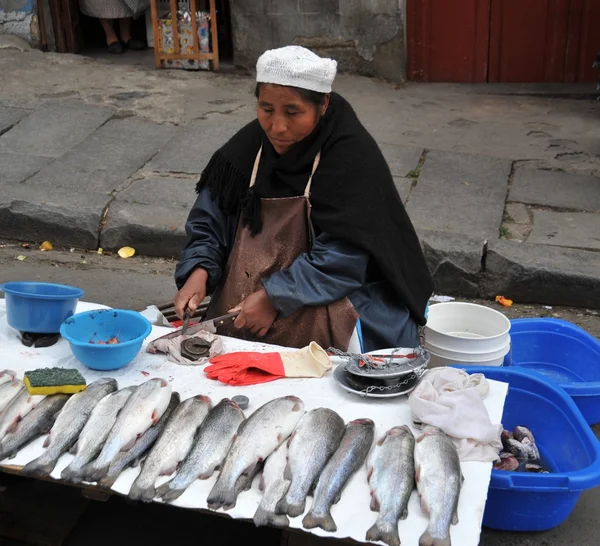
x=447, y=41
x=528, y=40
x=583, y=41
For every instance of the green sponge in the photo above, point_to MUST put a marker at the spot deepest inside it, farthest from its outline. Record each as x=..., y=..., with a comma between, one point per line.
x=53, y=381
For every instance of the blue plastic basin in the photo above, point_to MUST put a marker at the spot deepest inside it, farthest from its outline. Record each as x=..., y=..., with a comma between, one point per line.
x=129, y=327
x=522, y=501
x=39, y=307
x=564, y=353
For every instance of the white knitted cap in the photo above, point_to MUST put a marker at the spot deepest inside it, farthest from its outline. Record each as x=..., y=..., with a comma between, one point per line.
x=296, y=66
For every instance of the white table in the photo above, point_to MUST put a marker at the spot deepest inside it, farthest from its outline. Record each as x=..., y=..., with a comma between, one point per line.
x=352, y=513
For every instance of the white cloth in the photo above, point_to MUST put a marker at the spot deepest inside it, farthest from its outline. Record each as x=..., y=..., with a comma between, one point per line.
x=297, y=67
x=452, y=400
x=172, y=348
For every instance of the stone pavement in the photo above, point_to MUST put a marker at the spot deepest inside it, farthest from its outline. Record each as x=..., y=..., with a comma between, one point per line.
x=504, y=191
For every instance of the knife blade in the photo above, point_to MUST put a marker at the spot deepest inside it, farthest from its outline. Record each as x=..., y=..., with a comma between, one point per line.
x=210, y=325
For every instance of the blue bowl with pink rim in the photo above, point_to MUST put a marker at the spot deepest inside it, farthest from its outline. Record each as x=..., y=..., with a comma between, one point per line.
x=106, y=339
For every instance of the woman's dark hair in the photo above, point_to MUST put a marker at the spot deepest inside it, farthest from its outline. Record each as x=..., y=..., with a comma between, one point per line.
x=314, y=97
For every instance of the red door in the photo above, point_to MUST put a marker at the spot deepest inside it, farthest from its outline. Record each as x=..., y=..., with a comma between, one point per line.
x=448, y=40
x=502, y=40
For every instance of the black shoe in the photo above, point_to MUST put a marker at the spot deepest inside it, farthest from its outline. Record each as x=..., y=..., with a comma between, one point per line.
x=115, y=47
x=135, y=44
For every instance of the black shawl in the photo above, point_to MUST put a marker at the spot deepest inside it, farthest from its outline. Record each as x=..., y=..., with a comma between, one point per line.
x=353, y=196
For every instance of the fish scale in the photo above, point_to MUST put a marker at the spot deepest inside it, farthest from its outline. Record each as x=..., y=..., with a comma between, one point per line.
x=439, y=480
x=69, y=424
x=391, y=475
x=172, y=446
x=210, y=448
x=343, y=464
x=257, y=437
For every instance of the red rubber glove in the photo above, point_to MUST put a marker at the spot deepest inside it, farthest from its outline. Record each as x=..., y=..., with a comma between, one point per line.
x=250, y=368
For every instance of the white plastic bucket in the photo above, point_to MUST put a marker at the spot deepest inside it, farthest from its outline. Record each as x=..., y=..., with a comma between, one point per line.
x=438, y=360
x=466, y=328
x=468, y=356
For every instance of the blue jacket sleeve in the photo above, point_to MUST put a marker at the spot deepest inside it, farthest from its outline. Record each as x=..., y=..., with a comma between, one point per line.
x=207, y=230
x=333, y=270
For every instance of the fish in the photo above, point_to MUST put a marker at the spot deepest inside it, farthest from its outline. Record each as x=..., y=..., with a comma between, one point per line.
x=7, y=376
x=142, y=410
x=95, y=432
x=16, y=409
x=8, y=391
x=211, y=445
x=391, y=476
x=314, y=441
x=37, y=422
x=535, y=468
x=274, y=485
x=346, y=460
x=517, y=449
x=257, y=437
x=172, y=446
x=520, y=432
x=68, y=425
x=142, y=445
x=507, y=461
x=439, y=481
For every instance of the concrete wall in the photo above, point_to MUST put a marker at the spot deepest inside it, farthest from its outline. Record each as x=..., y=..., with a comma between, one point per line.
x=18, y=17
x=364, y=36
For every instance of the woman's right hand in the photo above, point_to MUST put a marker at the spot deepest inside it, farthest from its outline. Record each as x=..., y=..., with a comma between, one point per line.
x=192, y=293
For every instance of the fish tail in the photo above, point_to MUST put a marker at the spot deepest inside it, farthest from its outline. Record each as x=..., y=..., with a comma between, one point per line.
x=383, y=533
x=109, y=480
x=169, y=491
x=40, y=467
x=222, y=495
x=427, y=539
x=325, y=522
x=96, y=471
x=72, y=473
x=139, y=492
x=294, y=510
x=264, y=517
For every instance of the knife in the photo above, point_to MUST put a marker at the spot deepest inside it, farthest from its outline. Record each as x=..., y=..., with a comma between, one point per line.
x=209, y=325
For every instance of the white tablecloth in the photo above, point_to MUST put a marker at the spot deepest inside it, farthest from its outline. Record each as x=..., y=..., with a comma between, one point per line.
x=352, y=513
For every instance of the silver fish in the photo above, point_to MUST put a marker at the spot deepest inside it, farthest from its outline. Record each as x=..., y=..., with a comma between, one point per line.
x=347, y=459
x=257, y=437
x=439, y=480
x=8, y=391
x=314, y=441
x=37, y=422
x=141, y=447
x=211, y=445
x=95, y=432
x=142, y=410
x=273, y=485
x=68, y=425
x=172, y=446
x=18, y=408
x=391, y=475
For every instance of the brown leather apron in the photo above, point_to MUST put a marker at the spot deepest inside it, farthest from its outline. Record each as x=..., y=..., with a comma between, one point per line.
x=286, y=233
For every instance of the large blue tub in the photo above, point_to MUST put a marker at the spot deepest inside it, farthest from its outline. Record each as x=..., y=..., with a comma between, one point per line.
x=522, y=501
x=564, y=353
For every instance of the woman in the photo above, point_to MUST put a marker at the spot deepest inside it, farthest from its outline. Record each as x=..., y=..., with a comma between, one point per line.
x=253, y=248
x=110, y=10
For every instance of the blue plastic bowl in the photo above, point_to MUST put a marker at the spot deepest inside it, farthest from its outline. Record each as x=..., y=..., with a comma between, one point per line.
x=39, y=307
x=83, y=331
x=523, y=501
x=564, y=353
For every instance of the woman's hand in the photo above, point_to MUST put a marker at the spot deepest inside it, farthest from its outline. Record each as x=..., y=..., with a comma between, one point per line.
x=257, y=313
x=192, y=294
